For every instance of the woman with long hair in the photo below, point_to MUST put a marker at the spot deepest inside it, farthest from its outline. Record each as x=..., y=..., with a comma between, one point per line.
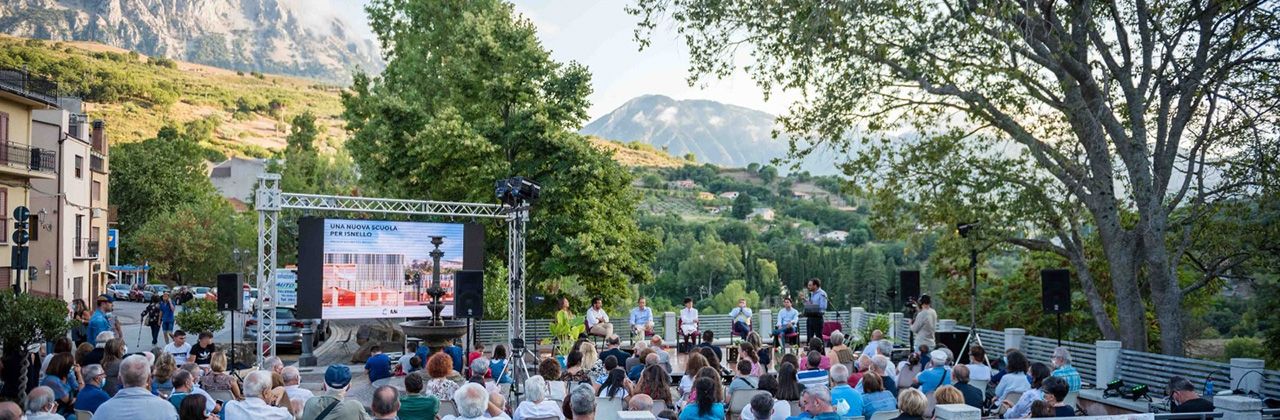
x=575, y=373
x=695, y=362
x=707, y=406
x=656, y=383
x=748, y=352
x=1015, y=378
x=591, y=360
x=192, y=408
x=1039, y=371
x=498, y=365
x=112, y=354
x=162, y=375
x=151, y=316
x=616, y=385
x=81, y=314
x=764, y=355
x=58, y=377
x=789, y=387
x=712, y=374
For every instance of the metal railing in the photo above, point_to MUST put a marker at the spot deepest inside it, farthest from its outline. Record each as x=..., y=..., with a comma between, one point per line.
x=86, y=248
x=23, y=156
x=23, y=83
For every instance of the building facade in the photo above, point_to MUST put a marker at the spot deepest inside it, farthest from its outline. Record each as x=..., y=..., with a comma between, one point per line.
x=69, y=212
x=21, y=164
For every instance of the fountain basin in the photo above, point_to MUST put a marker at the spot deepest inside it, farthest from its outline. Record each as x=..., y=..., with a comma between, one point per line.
x=435, y=336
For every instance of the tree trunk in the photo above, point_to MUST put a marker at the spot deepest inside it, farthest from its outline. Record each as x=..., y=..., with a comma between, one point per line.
x=1166, y=293
x=1122, y=252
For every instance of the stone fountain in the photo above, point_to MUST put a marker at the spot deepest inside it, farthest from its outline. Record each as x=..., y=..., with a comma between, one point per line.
x=435, y=332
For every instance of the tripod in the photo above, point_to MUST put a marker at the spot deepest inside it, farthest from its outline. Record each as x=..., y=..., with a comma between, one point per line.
x=973, y=337
x=520, y=370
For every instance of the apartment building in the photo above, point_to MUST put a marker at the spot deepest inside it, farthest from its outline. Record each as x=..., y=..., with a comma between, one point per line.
x=21, y=164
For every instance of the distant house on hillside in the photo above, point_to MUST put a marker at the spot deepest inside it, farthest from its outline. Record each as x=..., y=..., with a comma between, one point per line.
x=729, y=195
x=764, y=213
x=833, y=236
x=801, y=195
x=684, y=184
x=237, y=177
x=706, y=196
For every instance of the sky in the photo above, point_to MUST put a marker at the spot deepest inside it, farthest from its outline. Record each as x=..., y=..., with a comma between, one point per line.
x=599, y=34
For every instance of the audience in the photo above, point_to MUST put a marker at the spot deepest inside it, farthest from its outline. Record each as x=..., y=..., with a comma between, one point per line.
x=707, y=405
x=292, y=385
x=91, y=395
x=439, y=366
x=134, y=401
x=162, y=377
x=743, y=380
x=1062, y=368
x=337, y=379
x=181, y=388
x=640, y=402
x=591, y=361
x=656, y=383
x=60, y=376
x=979, y=366
x=415, y=405
x=193, y=408
x=536, y=404
x=937, y=375
x=875, y=397
x=498, y=365
x=815, y=376
x=42, y=404
x=911, y=403
x=112, y=355
x=1039, y=371
x=386, y=403
x=907, y=371
x=972, y=395
x=764, y=356
x=197, y=374
x=582, y=402
x=1184, y=398
x=824, y=362
x=10, y=410
x=879, y=363
x=816, y=404
x=708, y=342
x=842, y=396
x=474, y=403
x=1055, y=393
x=259, y=400
x=746, y=351
x=694, y=363
x=378, y=365
x=660, y=348
x=616, y=385
x=218, y=379
x=764, y=406
x=1015, y=378
x=789, y=387
x=1041, y=409
x=574, y=371
x=947, y=394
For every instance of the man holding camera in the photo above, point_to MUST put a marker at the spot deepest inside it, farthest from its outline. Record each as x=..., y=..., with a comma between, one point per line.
x=925, y=323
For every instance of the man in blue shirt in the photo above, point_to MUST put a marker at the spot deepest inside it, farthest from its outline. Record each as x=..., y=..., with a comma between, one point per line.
x=98, y=322
x=135, y=401
x=937, y=375
x=815, y=403
x=787, y=319
x=1062, y=368
x=641, y=320
x=741, y=317
x=166, y=317
x=91, y=395
x=817, y=297
x=843, y=397
x=378, y=365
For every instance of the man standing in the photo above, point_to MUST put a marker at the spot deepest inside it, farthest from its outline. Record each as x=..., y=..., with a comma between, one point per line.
x=166, y=316
x=818, y=298
x=597, y=320
x=925, y=323
x=98, y=322
x=741, y=317
x=787, y=319
x=641, y=320
x=179, y=348
x=378, y=365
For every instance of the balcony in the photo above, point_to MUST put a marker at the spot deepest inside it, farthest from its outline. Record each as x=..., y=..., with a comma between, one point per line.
x=86, y=248
x=24, y=84
x=21, y=156
x=97, y=163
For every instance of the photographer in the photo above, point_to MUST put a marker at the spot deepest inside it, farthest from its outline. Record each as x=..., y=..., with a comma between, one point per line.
x=925, y=323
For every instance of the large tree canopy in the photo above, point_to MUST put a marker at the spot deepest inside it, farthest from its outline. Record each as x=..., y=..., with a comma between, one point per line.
x=1048, y=121
x=468, y=97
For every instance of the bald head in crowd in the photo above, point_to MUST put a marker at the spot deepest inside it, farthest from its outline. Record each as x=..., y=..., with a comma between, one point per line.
x=640, y=402
x=961, y=372
x=10, y=411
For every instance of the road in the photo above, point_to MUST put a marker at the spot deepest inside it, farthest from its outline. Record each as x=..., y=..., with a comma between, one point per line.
x=138, y=336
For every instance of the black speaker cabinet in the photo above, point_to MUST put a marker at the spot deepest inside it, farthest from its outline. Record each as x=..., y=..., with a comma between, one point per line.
x=953, y=340
x=229, y=293
x=1055, y=291
x=468, y=294
x=909, y=285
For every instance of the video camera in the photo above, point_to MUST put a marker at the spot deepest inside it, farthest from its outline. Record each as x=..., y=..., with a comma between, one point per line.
x=911, y=308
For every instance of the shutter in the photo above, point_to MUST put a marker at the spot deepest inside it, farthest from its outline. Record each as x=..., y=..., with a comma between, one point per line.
x=4, y=127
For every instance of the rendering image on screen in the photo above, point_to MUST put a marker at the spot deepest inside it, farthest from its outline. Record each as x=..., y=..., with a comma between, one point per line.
x=380, y=269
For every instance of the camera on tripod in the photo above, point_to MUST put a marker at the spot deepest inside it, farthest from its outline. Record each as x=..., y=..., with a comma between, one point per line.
x=911, y=308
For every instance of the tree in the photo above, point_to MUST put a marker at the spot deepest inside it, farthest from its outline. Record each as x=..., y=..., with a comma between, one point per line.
x=727, y=299
x=27, y=319
x=200, y=315
x=306, y=169
x=192, y=243
x=1154, y=98
x=468, y=97
x=768, y=173
x=742, y=206
x=708, y=266
x=152, y=177
x=753, y=167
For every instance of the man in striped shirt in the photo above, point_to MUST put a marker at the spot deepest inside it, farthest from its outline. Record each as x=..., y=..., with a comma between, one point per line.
x=1062, y=368
x=814, y=377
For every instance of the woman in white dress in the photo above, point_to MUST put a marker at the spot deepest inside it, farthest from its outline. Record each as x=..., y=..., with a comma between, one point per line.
x=689, y=322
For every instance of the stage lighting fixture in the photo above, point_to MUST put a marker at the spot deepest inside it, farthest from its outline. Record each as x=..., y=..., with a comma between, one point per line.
x=1135, y=392
x=516, y=190
x=1113, y=388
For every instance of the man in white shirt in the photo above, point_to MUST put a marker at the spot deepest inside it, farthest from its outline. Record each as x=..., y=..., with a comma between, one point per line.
x=873, y=346
x=741, y=317
x=689, y=322
x=292, y=385
x=641, y=319
x=536, y=404
x=257, y=391
x=179, y=348
x=598, y=320
x=473, y=403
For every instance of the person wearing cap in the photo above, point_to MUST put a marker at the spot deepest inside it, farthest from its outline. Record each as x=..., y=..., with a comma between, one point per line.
x=937, y=375
x=98, y=321
x=333, y=403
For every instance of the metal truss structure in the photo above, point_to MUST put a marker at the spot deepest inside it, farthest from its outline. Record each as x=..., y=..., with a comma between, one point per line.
x=270, y=201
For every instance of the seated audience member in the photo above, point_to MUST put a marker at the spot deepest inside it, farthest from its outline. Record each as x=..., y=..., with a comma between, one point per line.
x=843, y=397
x=660, y=348
x=386, y=403
x=615, y=385
x=879, y=363
x=91, y=395
x=1041, y=409
x=824, y=362
x=479, y=371
x=10, y=410
x=789, y=386
x=765, y=407
x=181, y=388
x=972, y=395
x=639, y=350
x=907, y=372
x=650, y=359
x=979, y=366
x=293, y=385
x=912, y=403
x=764, y=355
x=218, y=379
x=193, y=408
x=947, y=394
x=1015, y=378
x=259, y=400
x=1062, y=368
x=937, y=375
x=640, y=402
x=1184, y=398
x=1055, y=393
x=667, y=414
x=575, y=372
x=694, y=363
x=1039, y=371
x=707, y=405
x=378, y=365
x=337, y=380
x=873, y=345
x=747, y=351
x=708, y=341
x=134, y=400
x=656, y=383
x=473, y=403
x=439, y=366
x=875, y=397
x=498, y=365
x=816, y=404
x=415, y=405
x=410, y=351
x=582, y=402
x=613, y=347
x=743, y=380
x=814, y=376
x=41, y=403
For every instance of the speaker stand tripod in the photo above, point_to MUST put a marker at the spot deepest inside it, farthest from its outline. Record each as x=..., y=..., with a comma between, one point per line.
x=519, y=373
x=973, y=337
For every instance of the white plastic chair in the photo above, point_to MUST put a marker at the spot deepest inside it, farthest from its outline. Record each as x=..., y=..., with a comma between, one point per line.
x=886, y=415
x=608, y=408
x=740, y=399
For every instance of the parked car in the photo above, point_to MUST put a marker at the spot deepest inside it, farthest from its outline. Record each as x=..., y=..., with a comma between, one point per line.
x=157, y=289
x=139, y=294
x=288, y=328
x=119, y=291
x=199, y=292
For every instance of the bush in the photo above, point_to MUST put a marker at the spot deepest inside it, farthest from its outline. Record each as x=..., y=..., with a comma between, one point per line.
x=200, y=315
x=1247, y=347
x=26, y=319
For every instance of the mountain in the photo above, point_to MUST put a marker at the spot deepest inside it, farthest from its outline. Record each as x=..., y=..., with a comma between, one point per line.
x=265, y=36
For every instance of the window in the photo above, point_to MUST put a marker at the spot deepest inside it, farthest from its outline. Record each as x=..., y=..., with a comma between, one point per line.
x=79, y=166
x=80, y=244
x=33, y=226
x=4, y=218
x=95, y=194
